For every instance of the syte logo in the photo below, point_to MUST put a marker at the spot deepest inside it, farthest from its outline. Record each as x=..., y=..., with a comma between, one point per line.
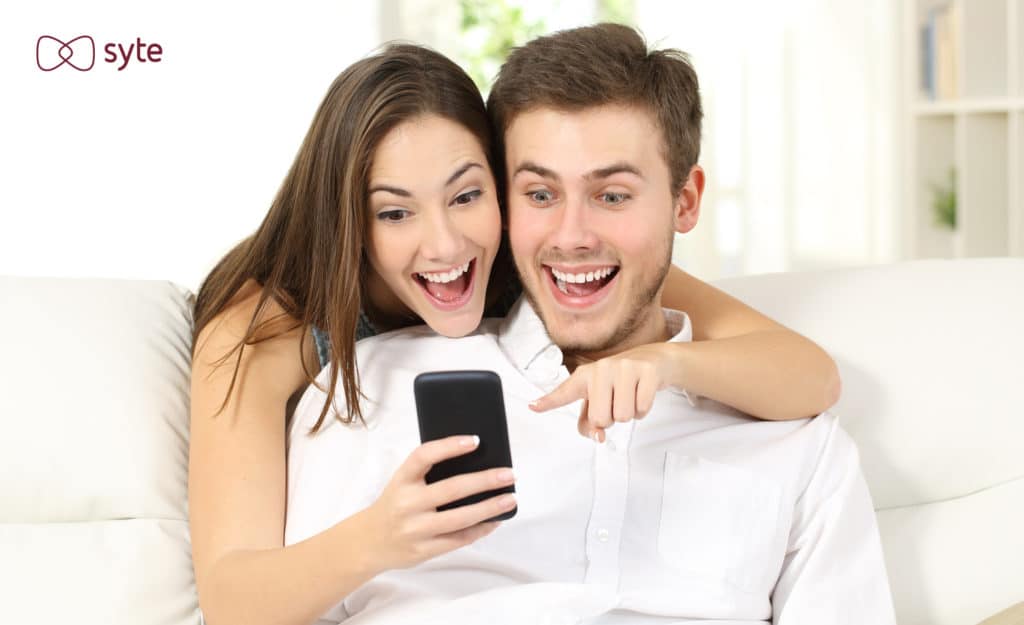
x=80, y=53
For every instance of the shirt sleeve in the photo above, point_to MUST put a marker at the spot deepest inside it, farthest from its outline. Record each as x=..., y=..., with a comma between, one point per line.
x=834, y=571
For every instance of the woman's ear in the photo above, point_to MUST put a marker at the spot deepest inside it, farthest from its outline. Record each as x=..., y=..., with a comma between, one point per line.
x=687, y=207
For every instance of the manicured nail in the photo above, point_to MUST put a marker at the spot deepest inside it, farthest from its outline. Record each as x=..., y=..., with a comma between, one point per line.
x=507, y=501
x=506, y=475
x=469, y=441
x=596, y=436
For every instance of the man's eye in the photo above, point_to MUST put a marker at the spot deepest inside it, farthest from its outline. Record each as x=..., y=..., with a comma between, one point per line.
x=466, y=198
x=540, y=197
x=393, y=216
x=614, y=198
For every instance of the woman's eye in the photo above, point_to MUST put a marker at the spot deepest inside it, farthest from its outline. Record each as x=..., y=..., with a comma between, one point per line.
x=465, y=198
x=393, y=216
x=611, y=197
x=540, y=197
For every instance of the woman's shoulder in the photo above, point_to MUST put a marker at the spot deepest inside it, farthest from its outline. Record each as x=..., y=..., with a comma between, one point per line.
x=273, y=361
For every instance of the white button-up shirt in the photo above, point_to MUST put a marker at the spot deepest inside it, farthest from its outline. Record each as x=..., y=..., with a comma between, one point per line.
x=697, y=513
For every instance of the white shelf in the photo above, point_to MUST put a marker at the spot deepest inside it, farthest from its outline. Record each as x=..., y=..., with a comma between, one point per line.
x=979, y=134
x=978, y=105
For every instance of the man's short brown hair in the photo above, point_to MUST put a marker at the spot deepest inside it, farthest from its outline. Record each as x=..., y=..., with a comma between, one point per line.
x=598, y=65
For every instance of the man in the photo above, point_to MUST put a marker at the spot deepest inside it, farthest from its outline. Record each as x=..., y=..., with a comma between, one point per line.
x=696, y=513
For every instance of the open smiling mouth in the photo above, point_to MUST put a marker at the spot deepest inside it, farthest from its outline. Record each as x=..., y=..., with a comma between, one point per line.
x=448, y=290
x=583, y=288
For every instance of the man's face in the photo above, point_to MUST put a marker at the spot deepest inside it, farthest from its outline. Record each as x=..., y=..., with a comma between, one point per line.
x=592, y=219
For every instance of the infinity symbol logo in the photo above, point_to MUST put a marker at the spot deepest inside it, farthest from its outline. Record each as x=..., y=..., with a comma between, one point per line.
x=79, y=53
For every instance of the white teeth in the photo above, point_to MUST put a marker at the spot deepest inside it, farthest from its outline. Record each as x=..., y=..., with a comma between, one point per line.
x=447, y=276
x=580, y=278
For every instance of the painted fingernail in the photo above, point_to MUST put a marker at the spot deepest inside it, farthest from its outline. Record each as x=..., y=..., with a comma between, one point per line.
x=506, y=475
x=507, y=501
x=469, y=441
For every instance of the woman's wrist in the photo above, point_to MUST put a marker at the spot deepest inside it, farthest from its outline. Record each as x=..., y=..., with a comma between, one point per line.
x=354, y=550
x=678, y=364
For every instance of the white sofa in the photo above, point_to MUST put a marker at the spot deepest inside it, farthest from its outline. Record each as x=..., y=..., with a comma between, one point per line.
x=94, y=384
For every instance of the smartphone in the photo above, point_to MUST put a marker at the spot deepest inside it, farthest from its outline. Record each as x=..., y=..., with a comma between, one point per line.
x=452, y=403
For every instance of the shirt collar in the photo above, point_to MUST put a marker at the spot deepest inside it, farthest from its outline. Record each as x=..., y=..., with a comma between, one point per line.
x=523, y=337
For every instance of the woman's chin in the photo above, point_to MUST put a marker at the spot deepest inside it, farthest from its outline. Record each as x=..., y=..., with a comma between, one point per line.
x=456, y=324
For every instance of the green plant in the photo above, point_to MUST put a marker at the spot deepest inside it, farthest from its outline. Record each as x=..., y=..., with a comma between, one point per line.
x=490, y=29
x=944, y=202
x=619, y=11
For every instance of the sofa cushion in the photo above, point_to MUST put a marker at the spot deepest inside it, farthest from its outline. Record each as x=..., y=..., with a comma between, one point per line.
x=930, y=354
x=94, y=387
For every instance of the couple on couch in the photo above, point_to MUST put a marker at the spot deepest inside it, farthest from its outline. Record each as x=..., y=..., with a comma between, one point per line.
x=672, y=507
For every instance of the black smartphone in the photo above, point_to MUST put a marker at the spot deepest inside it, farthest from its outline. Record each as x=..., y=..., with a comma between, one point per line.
x=452, y=403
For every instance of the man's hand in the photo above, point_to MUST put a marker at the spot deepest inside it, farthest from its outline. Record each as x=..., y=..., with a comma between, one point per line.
x=614, y=389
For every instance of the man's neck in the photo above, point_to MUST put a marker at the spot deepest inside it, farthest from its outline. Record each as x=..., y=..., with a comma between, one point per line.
x=652, y=329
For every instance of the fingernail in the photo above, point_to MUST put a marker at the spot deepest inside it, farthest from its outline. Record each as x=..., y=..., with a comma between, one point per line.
x=533, y=404
x=469, y=441
x=507, y=501
x=596, y=436
x=506, y=475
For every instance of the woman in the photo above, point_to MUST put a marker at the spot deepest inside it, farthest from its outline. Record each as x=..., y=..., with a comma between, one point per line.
x=318, y=262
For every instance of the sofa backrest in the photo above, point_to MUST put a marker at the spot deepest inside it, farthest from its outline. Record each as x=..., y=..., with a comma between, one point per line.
x=94, y=387
x=931, y=355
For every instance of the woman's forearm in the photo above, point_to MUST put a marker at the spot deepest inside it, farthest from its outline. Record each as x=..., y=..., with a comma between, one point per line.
x=292, y=585
x=771, y=374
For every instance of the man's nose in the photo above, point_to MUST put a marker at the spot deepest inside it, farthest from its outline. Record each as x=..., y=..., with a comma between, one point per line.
x=443, y=241
x=573, y=229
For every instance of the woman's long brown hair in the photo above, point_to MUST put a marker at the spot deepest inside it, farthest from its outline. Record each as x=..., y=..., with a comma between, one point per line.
x=308, y=254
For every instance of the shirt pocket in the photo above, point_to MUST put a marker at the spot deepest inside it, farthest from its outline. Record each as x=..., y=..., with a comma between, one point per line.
x=720, y=523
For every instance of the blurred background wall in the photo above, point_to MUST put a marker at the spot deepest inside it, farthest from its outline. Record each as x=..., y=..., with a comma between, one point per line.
x=157, y=170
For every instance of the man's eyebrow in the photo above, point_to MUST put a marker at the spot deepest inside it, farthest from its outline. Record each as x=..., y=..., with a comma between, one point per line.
x=461, y=170
x=532, y=167
x=614, y=168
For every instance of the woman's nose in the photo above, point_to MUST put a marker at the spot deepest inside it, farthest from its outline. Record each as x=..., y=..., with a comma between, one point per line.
x=443, y=241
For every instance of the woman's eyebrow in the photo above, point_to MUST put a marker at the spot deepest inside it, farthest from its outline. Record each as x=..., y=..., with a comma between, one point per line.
x=396, y=190
x=403, y=193
x=461, y=170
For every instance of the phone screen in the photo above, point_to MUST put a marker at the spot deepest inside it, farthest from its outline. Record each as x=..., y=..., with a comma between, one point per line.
x=450, y=403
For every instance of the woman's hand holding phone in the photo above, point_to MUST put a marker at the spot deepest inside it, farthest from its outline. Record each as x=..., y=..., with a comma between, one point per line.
x=404, y=526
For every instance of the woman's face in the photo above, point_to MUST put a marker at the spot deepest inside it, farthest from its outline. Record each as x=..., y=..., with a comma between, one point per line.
x=435, y=225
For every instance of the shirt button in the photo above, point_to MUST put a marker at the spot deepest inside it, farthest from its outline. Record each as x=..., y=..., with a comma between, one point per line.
x=603, y=535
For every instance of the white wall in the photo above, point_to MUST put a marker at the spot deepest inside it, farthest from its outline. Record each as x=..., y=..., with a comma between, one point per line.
x=157, y=170
x=801, y=101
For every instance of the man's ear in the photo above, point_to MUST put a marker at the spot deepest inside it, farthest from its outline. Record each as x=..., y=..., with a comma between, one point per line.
x=687, y=207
